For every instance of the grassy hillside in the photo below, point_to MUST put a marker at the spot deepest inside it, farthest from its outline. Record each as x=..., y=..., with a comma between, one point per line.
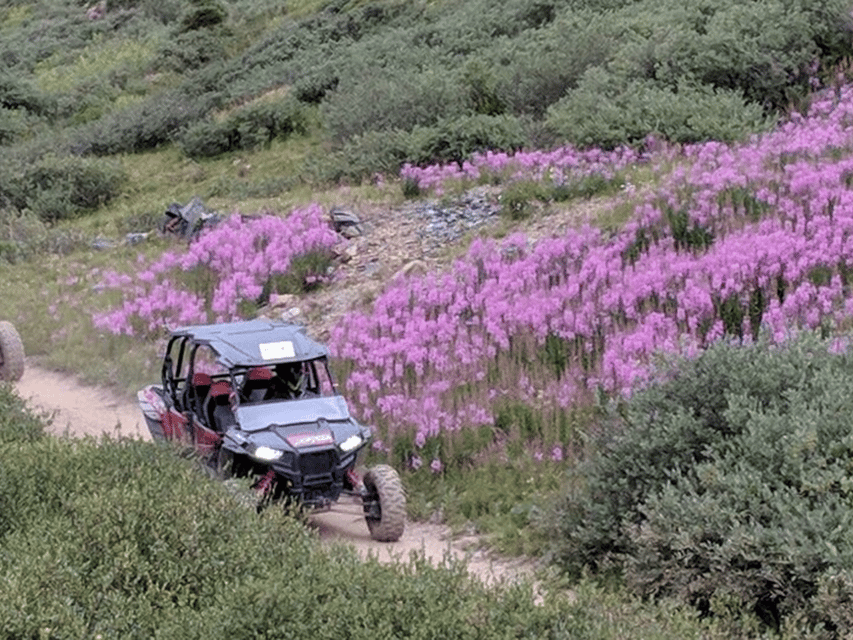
x=363, y=87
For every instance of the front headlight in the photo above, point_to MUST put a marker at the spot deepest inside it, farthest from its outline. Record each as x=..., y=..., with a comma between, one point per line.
x=267, y=454
x=351, y=443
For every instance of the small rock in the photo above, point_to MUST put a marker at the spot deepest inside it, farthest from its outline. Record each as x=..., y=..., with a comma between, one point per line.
x=412, y=268
x=291, y=314
x=100, y=244
x=135, y=238
x=346, y=223
x=279, y=301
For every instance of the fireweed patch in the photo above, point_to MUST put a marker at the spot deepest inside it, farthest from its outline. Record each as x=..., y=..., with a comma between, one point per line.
x=222, y=275
x=736, y=241
x=564, y=171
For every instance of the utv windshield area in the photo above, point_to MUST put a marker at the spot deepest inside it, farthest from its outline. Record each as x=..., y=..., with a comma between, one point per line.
x=294, y=380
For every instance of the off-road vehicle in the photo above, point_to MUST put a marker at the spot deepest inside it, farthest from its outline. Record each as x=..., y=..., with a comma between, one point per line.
x=256, y=399
x=11, y=353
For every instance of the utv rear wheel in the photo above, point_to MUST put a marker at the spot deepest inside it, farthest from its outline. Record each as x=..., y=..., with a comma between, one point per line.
x=384, y=503
x=11, y=353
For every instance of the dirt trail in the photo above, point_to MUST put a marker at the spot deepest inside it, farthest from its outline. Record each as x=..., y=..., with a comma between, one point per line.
x=80, y=410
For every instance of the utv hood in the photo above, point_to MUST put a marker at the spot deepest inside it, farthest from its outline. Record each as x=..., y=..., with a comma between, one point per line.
x=257, y=417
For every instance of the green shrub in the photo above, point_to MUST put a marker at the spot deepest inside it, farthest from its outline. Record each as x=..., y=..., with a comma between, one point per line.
x=536, y=69
x=16, y=93
x=519, y=197
x=393, y=99
x=59, y=187
x=164, y=11
x=13, y=124
x=313, y=87
x=143, y=125
x=17, y=422
x=605, y=111
x=361, y=157
x=189, y=50
x=202, y=14
x=457, y=139
x=249, y=127
x=124, y=539
x=729, y=482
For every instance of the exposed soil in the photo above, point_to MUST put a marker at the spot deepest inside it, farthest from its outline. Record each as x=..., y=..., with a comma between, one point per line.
x=78, y=410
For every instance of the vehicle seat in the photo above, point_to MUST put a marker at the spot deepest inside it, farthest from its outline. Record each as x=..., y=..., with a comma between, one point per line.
x=201, y=386
x=218, y=406
x=258, y=384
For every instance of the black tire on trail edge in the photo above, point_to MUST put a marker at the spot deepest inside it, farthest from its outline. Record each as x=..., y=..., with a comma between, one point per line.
x=384, y=503
x=11, y=353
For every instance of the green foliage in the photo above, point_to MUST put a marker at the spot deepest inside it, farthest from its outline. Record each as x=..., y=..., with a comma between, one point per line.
x=361, y=157
x=202, y=14
x=17, y=93
x=170, y=553
x=249, y=127
x=686, y=233
x=25, y=236
x=534, y=70
x=519, y=197
x=457, y=139
x=143, y=125
x=394, y=99
x=313, y=86
x=189, y=50
x=764, y=50
x=17, y=422
x=606, y=111
x=729, y=482
x=163, y=11
x=59, y=187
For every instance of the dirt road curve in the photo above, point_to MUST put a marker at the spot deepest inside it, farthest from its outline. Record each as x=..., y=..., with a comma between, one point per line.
x=80, y=410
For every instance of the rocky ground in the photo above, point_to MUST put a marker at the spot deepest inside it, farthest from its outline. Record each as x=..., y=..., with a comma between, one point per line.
x=416, y=236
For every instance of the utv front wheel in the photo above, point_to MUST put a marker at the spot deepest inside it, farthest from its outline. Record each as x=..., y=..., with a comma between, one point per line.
x=11, y=353
x=384, y=503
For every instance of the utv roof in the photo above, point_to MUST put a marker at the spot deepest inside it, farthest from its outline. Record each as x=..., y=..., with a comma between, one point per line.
x=255, y=342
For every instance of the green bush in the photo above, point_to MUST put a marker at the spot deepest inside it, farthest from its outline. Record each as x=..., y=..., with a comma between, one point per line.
x=457, y=139
x=518, y=199
x=313, y=87
x=17, y=422
x=13, y=124
x=607, y=112
x=536, y=69
x=361, y=157
x=202, y=14
x=16, y=93
x=190, y=50
x=25, y=236
x=728, y=484
x=123, y=539
x=250, y=127
x=144, y=125
x=164, y=11
x=393, y=99
x=59, y=187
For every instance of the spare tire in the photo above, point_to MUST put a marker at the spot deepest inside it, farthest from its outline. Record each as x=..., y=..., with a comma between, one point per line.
x=11, y=353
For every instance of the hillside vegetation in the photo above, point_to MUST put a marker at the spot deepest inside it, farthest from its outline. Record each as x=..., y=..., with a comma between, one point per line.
x=380, y=83
x=654, y=397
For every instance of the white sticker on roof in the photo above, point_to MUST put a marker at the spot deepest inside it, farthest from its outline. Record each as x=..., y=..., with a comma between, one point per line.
x=277, y=350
